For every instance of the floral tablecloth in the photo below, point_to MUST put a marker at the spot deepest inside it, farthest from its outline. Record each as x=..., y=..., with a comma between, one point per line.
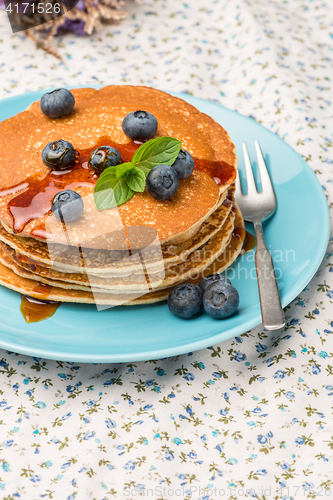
x=251, y=417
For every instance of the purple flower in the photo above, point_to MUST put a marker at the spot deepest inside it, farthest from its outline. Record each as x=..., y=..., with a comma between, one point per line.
x=74, y=25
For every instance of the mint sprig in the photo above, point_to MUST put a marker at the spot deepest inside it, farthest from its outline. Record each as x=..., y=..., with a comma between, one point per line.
x=117, y=185
x=162, y=150
x=111, y=191
x=136, y=180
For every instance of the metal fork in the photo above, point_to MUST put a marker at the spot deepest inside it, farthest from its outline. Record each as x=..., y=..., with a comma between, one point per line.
x=257, y=207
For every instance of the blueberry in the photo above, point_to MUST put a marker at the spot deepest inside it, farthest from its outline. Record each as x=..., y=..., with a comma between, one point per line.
x=184, y=164
x=185, y=300
x=104, y=157
x=58, y=155
x=140, y=125
x=59, y=102
x=212, y=278
x=220, y=300
x=162, y=182
x=67, y=205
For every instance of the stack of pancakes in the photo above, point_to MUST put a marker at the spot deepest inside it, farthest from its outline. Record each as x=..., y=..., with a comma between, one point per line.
x=133, y=254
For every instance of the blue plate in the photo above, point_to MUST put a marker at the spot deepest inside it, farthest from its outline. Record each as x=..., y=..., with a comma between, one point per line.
x=294, y=235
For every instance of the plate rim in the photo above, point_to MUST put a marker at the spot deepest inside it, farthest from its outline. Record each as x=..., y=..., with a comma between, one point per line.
x=208, y=341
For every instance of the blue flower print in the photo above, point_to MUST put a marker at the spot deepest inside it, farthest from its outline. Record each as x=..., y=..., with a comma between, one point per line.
x=110, y=424
x=262, y=439
x=285, y=466
x=130, y=465
x=261, y=347
x=315, y=369
x=169, y=455
x=239, y=357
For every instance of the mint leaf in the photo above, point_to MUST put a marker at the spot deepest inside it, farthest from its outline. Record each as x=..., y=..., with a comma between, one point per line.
x=123, y=169
x=161, y=150
x=117, y=184
x=136, y=180
x=111, y=192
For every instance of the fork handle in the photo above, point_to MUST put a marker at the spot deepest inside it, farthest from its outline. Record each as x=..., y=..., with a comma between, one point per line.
x=270, y=302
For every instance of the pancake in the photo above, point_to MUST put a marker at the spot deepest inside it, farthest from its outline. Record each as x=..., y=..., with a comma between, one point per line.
x=131, y=254
x=95, y=120
x=33, y=253
x=192, y=267
x=31, y=288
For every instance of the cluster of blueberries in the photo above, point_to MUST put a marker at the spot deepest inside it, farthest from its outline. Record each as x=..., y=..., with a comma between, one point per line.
x=162, y=181
x=215, y=294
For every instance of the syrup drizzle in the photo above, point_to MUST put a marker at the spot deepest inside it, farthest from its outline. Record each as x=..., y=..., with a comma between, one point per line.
x=36, y=199
x=249, y=242
x=34, y=310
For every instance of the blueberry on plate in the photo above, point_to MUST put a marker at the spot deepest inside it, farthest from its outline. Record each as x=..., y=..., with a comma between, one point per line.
x=140, y=125
x=185, y=300
x=220, y=300
x=58, y=155
x=184, y=164
x=104, y=157
x=59, y=102
x=162, y=182
x=212, y=278
x=67, y=205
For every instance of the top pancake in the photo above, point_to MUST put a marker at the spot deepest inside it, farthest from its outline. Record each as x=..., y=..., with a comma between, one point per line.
x=99, y=114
